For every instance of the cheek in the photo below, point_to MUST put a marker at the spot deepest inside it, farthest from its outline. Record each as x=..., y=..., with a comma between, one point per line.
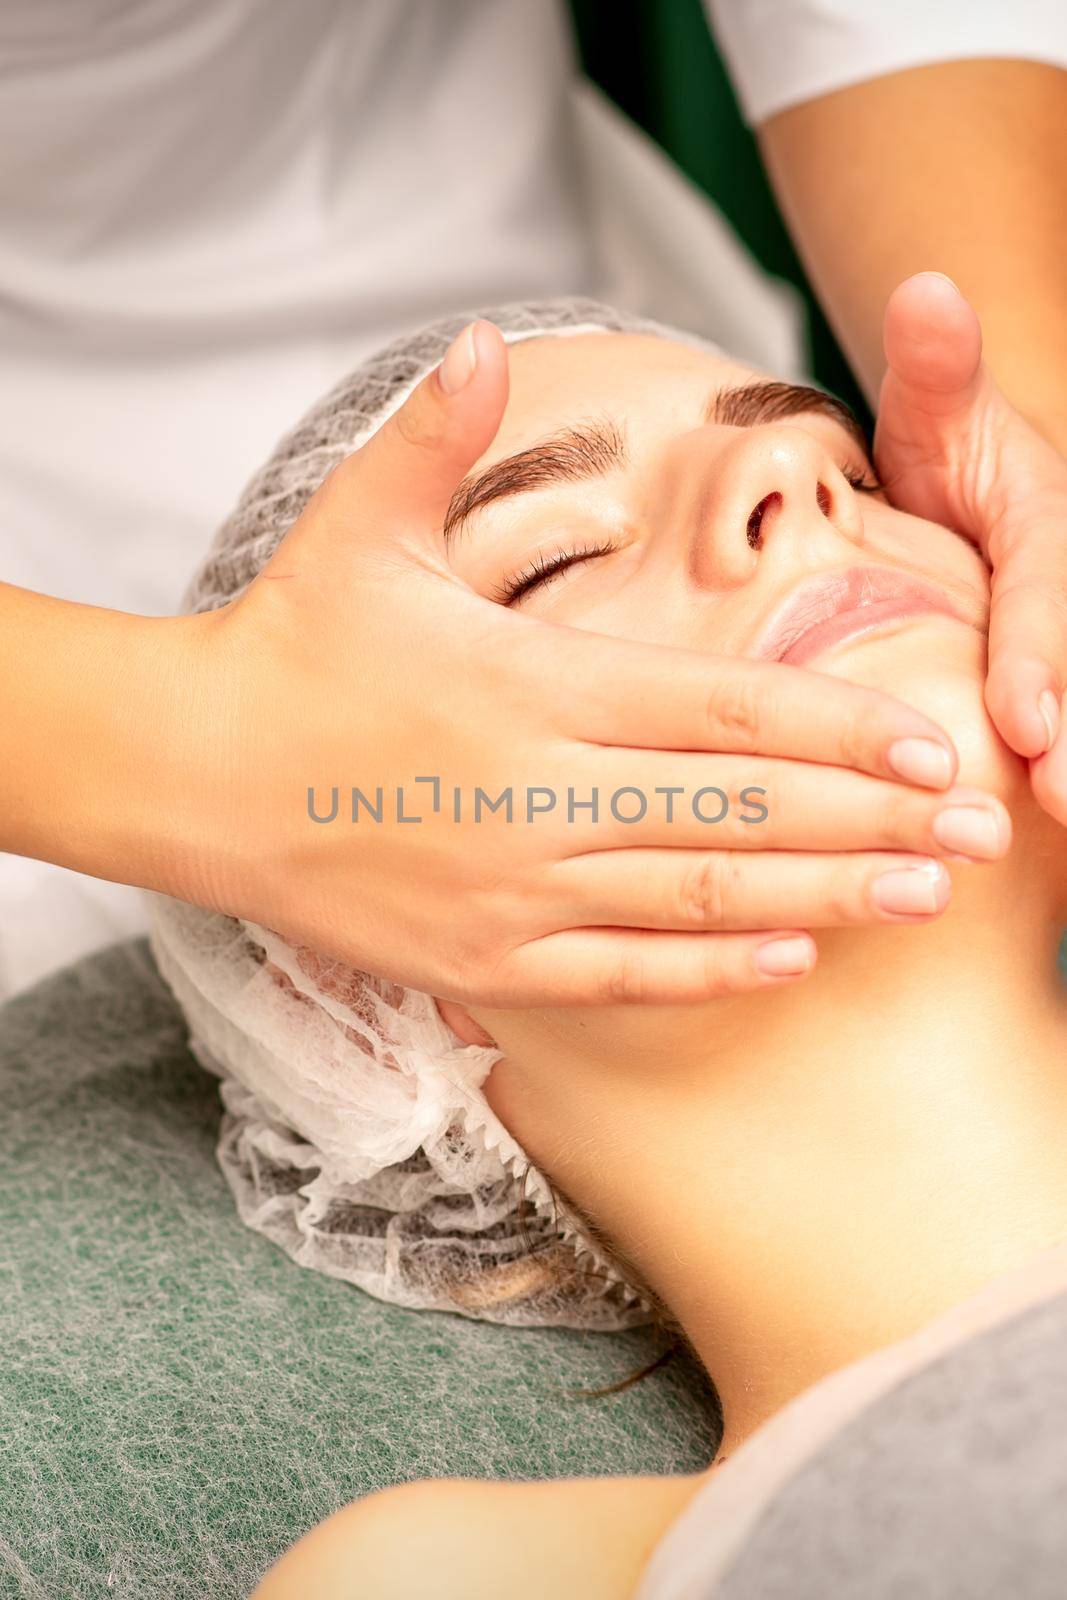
x=928, y=548
x=635, y=611
x=653, y=608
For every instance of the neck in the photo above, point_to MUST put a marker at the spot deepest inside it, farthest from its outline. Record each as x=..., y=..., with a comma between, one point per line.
x=806, y=1174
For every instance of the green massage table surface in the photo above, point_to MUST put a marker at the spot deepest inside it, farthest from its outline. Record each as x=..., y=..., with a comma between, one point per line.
x=179, y=1401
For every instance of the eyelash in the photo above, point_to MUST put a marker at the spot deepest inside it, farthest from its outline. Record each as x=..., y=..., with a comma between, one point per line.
x=543, y=569
x=862, y=480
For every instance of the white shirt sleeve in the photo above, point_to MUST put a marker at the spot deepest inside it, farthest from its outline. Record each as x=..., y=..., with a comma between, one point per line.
x=783, y=52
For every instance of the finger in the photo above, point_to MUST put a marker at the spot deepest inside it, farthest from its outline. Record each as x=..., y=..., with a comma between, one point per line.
x=933, y=344
x=934, y=387
x=621, y=693
x=1048, y=774
x=687, y=801
x=611, y=966
x=724, y=890
x=404, y=477
x=1027, y=650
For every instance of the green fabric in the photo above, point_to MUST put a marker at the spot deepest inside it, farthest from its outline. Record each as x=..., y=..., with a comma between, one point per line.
x=658, y=61
x=178, y=1400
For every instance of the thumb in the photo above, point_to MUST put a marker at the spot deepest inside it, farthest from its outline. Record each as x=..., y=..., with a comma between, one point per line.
x=936, y=400
x=933, y=345
x=404, y=477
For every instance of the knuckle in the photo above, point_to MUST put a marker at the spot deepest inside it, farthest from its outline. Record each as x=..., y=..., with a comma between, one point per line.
x=1034, y=598
x=419, y=424
x=839, y=903
x=735, y=976
x=855, y=733
x=903, y=823
x=1049, y=793
x=708, y=889
x=1056, y=601
x=470, y=970
x=626, y=981
x=735, y=709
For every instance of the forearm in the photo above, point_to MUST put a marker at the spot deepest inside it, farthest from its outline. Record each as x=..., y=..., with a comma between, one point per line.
x=958, y=167
x=97, y=711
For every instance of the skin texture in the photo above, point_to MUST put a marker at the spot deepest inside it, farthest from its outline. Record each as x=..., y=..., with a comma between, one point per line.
x=945, y=438
x=807, y=1174
x=174, y=753
x=177, y=753
x=957, y=165
x=381, y=1547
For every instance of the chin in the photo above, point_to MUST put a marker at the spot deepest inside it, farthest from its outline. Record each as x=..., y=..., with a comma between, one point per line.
x=940, y=670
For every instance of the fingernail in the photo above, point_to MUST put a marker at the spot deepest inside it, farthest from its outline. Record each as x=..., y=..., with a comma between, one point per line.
x=970, y=831
x=914, y=890
x=785, y=958
x=457, y=369
x=921, y=761
x=946, y=279
x=1049, y=708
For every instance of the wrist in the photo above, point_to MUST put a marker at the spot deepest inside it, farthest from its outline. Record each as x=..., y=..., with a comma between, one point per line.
x=171, y=808
x=107, y=753
x=166, y=800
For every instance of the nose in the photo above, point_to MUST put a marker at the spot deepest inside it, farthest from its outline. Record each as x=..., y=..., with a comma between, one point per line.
x=767, y=494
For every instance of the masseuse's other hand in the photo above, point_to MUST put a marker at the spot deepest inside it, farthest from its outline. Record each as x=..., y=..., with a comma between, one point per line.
x=358, y=658
x=949, y=447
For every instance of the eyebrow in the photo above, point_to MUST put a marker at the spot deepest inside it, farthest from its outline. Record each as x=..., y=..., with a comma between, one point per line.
x=767, y=401
x=589, y=450
x=593, y=449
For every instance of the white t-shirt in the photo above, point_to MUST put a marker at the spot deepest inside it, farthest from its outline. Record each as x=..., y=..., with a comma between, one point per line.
x=211, y=209
x=783, y=52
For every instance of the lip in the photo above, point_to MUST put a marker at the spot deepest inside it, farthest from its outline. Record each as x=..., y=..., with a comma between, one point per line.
x=843, y=604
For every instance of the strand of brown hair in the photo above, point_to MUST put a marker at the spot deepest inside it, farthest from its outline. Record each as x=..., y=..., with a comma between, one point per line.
x=677, y=1342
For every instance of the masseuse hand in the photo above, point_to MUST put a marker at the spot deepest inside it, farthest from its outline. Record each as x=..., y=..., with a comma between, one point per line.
x=950, y=447
x=358, y=657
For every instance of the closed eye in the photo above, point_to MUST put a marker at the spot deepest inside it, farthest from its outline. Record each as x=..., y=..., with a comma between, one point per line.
x=863, y=479
x=543, y=569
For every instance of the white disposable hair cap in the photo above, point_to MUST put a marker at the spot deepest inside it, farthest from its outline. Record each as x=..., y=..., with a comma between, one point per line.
x=355, y=1131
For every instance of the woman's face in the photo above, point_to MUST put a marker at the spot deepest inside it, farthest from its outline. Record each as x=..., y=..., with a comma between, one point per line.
x=644, y=489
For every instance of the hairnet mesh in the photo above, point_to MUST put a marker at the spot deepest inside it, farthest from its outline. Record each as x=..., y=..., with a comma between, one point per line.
x=355, y=1133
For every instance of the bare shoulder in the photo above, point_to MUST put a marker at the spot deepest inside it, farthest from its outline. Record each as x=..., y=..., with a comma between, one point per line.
x=587, y=1536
